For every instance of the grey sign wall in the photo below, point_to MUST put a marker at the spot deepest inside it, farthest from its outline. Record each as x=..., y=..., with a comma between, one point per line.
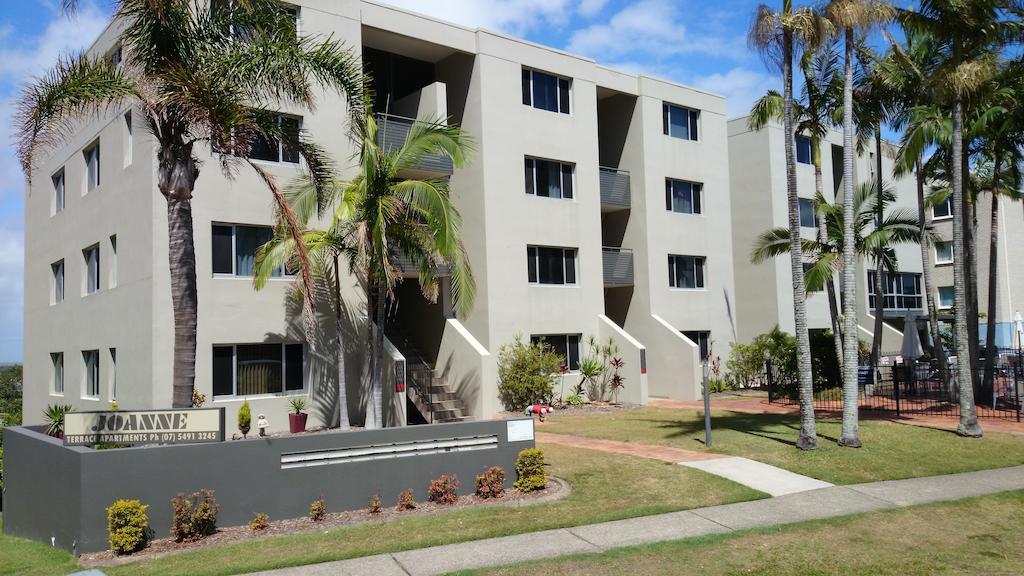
x=61, y=492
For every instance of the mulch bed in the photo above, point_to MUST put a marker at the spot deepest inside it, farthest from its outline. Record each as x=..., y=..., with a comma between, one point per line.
x=589, y=408
x=556, y=490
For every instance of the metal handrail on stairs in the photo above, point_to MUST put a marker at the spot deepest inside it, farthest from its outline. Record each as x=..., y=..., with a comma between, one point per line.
x=418, y=372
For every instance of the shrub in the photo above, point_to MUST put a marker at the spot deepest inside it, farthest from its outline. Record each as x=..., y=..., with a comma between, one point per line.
x=318, y=510
x=127, y=526
x=574, y=400
x=298, y=405
x=530, y=470
x=54, y=416
x=526, y=373
x=375, y=505
x=195, y=516
x=443, y=489
x=244, y=418
x=198, y=398
x=260, y=521
x=406, y=501
x=491, y=483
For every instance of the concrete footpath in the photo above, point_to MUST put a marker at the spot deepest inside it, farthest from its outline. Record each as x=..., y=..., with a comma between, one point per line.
x=814, y=504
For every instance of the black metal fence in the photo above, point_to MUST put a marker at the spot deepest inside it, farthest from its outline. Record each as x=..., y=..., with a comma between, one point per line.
x=913, y=389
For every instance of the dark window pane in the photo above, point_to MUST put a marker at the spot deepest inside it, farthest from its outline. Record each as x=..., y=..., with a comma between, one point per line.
x=570, y=266
x=223, y=371
x=574, y=352
x=545, y=92
x=566, y=180
x=696, y=198
x=259, y=369
x=563, y=95
x=222, y=250
x=698, y=267
x=526, y=87
x=549, y=180
x=803, y=149
x=668, y=195
x=531, y=263
x=694, y=117
x=529, y=174
x=290, y=127
x=248, y=239
x=678, y=123
x=807, y=216
x=672, y=281
x=552, y=267
x=664, y=118
x=263, y=149
x=293, y=367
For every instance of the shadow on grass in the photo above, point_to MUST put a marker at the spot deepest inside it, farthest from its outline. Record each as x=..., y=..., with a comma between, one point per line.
x=781, y=428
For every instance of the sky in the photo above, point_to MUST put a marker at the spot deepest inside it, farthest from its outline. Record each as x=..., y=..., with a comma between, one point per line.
x=694, y=42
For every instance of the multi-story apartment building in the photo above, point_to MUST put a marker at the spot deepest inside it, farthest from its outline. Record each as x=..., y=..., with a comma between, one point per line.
x=764, y=292
x=596, y=203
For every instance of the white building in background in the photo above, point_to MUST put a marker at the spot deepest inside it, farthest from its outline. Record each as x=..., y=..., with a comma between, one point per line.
x=597, y=203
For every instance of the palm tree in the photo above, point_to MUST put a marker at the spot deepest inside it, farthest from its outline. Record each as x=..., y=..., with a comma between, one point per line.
x=776, y=35
x=966, y=34
x=812, y=115
x=194, y=81
x=381, y=215
x=852, y=18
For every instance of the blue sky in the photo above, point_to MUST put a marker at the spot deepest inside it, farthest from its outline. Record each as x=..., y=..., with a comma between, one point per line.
x=695, y=42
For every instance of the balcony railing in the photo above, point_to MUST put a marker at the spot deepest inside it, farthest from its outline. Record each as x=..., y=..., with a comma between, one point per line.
x=391, y=134
x=618, y=266
x=408, y=268
x=614, y=189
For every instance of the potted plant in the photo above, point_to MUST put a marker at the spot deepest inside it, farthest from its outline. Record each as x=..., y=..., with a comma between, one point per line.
x=244, y=419
x=297, y=419
x=54, y=415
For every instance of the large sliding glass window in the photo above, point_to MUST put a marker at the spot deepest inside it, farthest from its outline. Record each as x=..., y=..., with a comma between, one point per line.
x=685, y=271
x=258, y=369
x=565, y=345
x=683, y=197
x=235, y=246
x=549, y=178
x=680, y=122
x=546, y=265
x=546, y=91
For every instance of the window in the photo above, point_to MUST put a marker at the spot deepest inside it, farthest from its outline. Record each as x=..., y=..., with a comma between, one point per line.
x=273, y=150
x=116, y=56
x=57, y=373
x=57, y=268
x=702, y=338
x=943, y=209
x=565, y=345
x=685, y=271
x=546, y=92
x=902, y=290
x=91, y=258
x=679, y=122
x=683, y=197
x=257, y=369
x=803, y=149
x=551, y=265
x=113, y=374
x=113, y=261
x=235, y=246
x=91, y=374
x=807, y=216
x=128, y=141
x=92, y=167
x=947, y=297
x=58, y=191
x=807, y=266
x=944, y=252
x=549, y=178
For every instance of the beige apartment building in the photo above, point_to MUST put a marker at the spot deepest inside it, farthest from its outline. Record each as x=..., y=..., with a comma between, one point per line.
x=763, y=292
x=597, y=203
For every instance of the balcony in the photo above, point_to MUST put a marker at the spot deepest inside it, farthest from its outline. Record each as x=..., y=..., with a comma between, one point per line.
x=408, y=269
x=618, y=267
x=614, y=190
x=391, y=134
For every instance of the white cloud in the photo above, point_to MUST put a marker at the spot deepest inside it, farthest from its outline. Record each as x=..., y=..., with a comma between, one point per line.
x=740, y=86
x=25, y=57
x=511, y=16
x=11, y=292
x=590, y=8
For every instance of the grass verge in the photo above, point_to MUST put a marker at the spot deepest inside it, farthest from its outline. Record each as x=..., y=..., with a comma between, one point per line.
x=27, y=558
x=891, y=451
x=975, y=536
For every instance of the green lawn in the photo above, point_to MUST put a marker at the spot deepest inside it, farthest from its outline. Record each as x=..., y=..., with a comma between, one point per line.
x=978, y=536
x=604, y=487
x=890, y=451
x=26, y=558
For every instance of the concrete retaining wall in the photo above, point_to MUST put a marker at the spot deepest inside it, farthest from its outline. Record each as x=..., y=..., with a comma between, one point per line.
x=59, y=494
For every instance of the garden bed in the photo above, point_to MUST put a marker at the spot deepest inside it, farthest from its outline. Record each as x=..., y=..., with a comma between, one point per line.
x=588, y=408
x=556, y=490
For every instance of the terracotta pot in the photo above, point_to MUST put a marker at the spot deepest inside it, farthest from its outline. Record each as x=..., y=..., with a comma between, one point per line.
x=297, y=422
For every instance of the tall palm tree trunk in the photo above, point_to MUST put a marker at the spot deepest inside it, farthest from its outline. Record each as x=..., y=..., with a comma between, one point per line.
x=971, y=263
x=830, y=287
x=339, y=349
x=376, y=380
x=968, y=417
x=938, y=352
x=876, y=338
x=181, y=255
x=808, y=437
x=851, y=426
x=993, y=274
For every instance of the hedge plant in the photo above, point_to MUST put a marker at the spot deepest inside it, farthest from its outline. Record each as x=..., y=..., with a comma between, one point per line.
x=127, y=526
x=530, y=470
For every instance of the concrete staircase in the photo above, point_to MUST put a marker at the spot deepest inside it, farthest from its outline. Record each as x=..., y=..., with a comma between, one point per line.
x=428, y=391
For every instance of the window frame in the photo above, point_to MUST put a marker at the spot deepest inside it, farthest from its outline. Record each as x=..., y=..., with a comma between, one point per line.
x=87, y=288
x=699, y=280
x=895, y=290
x=547, y=338
x=283, y=272
x=92, y=372
x=280, y=161
x=805, y=202
x=112, y=354
x=283, y=346
x=805, y=141
x=533, y=265
x=938, y=297
x=696, y=192
x=58, y=290
x=529, y=94
x=60, y=191
x=693, y=127
x=703, y=341
x=57, y=374
x=92, y=153
x=949, y=215
x=531, y=182
x=940, y=261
